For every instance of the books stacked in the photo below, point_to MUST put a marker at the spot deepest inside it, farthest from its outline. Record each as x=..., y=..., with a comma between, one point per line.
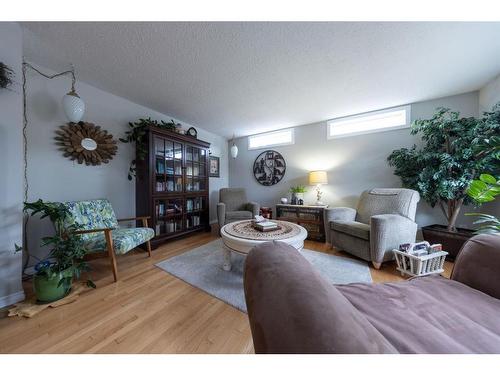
x=265, y=226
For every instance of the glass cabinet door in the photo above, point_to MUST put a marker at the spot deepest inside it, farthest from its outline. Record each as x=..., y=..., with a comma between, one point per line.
x=168, y=159
x=196, y=159
x=195, y=207
x=169, y=214
x=160, y=178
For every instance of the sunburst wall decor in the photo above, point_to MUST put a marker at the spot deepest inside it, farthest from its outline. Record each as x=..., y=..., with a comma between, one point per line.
x=86, y=143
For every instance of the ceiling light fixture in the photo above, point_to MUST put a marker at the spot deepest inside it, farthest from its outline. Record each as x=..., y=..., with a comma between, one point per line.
x=234, y=149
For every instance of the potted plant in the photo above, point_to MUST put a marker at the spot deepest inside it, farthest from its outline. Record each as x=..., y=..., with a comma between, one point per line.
x=444, y=167
x=54, y=274
x=297, y=193
x=486, y=188
x=6, y=74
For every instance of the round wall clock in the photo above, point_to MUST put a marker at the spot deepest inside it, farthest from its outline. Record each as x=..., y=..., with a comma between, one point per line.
x=269, y=168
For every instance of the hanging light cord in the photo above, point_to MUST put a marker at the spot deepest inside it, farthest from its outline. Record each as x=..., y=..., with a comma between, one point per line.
x=27, y=65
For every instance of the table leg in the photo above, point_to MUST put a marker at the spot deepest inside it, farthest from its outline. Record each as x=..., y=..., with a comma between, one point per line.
x=226, y=265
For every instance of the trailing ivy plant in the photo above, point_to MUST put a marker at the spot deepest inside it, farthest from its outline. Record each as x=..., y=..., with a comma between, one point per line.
x=67, y=250
x=445, y=166
x=6, y=74
x=137, y=134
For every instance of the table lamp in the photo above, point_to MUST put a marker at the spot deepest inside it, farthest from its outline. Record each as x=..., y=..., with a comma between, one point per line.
x=318, y=178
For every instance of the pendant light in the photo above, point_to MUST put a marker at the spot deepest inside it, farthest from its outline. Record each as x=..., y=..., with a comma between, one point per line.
x=234, y=149
x=73, y=105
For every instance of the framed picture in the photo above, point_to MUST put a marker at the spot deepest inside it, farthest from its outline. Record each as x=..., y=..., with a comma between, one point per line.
x=214, y=166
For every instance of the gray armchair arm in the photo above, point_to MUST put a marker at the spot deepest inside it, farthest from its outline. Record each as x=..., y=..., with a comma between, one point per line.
x=478, y=264
x=337, y=213
x=254, y=207
x=387, y=232
x=221, y=214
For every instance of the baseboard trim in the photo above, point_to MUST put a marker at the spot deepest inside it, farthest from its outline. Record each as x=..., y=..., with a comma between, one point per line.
x=11, y=299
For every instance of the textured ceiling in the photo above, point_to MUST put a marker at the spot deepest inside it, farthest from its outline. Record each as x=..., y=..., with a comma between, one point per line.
x=246, y=78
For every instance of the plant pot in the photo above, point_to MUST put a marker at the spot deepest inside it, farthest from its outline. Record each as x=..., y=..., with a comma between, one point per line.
x=452, y=241
x=47, y=289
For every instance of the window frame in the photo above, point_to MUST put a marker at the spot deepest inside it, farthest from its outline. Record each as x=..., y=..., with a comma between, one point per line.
x=292, y=142
x=330, y=123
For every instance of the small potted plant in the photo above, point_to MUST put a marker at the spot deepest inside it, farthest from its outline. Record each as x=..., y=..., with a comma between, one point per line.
x=297, y=193
x=444, y=167
x=55, y=273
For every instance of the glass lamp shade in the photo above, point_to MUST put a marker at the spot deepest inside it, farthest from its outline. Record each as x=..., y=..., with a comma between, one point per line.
x=234, y=151
x=318, y=178
x=73, y=106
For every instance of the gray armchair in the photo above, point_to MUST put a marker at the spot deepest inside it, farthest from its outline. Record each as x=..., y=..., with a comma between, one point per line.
x=233, y=206
x=384, y=219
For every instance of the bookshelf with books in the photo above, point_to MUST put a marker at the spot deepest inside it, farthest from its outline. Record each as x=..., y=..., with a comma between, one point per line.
x=172, y=184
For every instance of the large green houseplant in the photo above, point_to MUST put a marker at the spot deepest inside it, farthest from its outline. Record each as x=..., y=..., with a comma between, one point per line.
x=446, y=164
x=55, y=273
x=487, y=187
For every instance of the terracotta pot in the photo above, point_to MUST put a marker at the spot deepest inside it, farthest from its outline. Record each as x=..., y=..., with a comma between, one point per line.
x=452, y=241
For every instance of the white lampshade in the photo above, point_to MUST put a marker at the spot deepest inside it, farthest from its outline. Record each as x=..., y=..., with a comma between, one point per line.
x=234, y=151
x=318, y=178
x=73, y=106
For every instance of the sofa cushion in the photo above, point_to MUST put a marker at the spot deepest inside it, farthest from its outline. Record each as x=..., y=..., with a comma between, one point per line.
x=293, y=309
x=352, y=228
x=238, y=215
x=430, y=315
x=124, y=239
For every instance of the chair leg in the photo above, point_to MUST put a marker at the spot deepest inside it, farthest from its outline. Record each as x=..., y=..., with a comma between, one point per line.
x=111, y=253
x=148, y=244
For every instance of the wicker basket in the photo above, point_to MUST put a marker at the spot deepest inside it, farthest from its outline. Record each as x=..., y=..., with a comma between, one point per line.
x=420, y=265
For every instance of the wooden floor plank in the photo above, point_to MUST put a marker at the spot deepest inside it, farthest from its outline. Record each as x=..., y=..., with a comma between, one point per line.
x=146, y=311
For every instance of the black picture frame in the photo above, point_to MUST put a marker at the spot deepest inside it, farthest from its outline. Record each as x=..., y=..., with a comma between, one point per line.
x=214, y=165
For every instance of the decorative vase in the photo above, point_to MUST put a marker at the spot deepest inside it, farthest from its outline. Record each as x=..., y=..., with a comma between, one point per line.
x=284, y=200
x=47, y=289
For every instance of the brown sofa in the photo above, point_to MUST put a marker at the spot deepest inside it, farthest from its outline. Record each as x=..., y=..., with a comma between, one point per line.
x=293, y=309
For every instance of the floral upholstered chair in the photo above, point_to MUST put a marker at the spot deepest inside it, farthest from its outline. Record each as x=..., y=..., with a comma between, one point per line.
x=100, y=231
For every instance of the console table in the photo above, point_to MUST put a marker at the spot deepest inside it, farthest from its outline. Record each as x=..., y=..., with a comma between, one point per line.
x=310, y=217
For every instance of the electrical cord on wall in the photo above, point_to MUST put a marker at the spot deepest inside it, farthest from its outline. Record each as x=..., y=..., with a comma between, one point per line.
x=26, y=217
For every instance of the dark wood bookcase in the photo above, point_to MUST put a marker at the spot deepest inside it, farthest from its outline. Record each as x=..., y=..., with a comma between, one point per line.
x=172, y=184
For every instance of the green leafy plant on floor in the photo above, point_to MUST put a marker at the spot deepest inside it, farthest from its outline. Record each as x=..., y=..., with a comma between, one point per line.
x=445, y=166
x=298, y=189
x=137, y=135
x=66, y=248
x=487, y=187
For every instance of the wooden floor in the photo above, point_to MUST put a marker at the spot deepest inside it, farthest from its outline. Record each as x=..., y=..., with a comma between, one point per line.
x=146, y=311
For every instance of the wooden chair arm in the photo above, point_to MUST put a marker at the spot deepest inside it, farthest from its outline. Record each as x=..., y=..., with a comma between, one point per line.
x=93, y=230
x=135, y=218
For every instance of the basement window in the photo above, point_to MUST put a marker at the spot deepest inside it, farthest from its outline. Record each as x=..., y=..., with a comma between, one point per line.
x=276, y=138
x=378, y=121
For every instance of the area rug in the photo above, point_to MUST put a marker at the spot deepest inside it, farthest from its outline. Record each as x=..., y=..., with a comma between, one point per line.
x=202, y=268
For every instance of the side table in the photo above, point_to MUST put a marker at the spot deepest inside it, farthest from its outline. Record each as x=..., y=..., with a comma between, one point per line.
x=309, y=217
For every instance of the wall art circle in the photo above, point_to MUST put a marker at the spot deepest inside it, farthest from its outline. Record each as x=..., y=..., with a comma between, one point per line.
x=269, y=168
x=86, y=143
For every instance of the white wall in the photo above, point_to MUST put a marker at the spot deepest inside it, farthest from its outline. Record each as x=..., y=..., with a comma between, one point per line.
x=11, y=166
x=55, y=178
x=489, y=95
x=353, y=163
